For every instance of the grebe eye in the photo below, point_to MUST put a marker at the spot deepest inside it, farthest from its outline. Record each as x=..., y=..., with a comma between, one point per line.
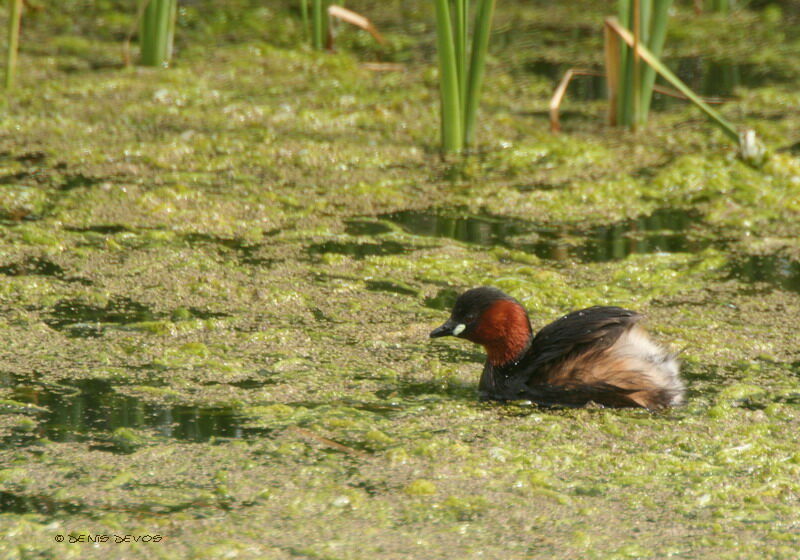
x=470, y=317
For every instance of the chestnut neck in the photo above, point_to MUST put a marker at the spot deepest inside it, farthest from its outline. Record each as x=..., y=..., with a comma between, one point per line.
x=505, y=331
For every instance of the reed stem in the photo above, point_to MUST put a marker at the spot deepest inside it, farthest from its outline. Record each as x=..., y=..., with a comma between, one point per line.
x=157, y=32
x=14, y=20
x=318, y=24
x=462, y=64
x=636, y=81
x=304, y=18
x=655, y=43
x=647, y=21
x=452, y=132
x=477, y=66
x=674, y=81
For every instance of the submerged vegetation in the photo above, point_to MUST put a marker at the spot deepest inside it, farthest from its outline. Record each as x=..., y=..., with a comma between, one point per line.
x=217, y=280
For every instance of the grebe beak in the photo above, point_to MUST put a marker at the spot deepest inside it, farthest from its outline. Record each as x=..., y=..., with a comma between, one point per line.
x=450, y=328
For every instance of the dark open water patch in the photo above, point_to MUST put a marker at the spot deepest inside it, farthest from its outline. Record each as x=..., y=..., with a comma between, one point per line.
x=17, y=503
x=718, y=78
x=79, y=319
x=82, y=320
x=359, y=226
x=245, y=251
x=772, y=271
x=92, y=409
x=709, y=78
x=105, y=229
x=391, y=287
x=358, y=250
x=40, y=266
x=667, y=230
x=76, y=180
x=444, y=299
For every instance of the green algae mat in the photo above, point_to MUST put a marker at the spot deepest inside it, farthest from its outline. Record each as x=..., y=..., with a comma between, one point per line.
x=217, y=282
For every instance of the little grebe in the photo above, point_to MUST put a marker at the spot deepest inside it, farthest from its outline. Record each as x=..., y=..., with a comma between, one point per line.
x=599, y=354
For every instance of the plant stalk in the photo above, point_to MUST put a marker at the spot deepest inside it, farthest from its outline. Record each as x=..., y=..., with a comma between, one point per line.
x=674, y=81
x=157, y=32
x=477, y=66
x=452, y=132
x=14, y=20
x=318, y=24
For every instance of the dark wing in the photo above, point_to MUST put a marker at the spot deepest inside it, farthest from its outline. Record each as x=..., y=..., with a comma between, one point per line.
x=594, y=329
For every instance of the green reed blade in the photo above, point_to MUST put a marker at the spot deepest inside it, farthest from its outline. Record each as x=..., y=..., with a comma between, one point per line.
x=636, y=80
x=657, y=36
x=458, y=11
x=318, y=24
x=14, y=19
x=674, y=81
x=625, y=88
x=304, y=18
x=477, y=66
x=157, y=31
x=452, y=133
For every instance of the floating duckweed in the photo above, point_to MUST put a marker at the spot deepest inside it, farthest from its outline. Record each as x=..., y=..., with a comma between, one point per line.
x=195, y=349
x=499, y=454
x=465, y=508
x=152, y=327
x=340, y=423
x=12, y=406
x=739, y=391
x=25, y=425
x=377, y=436
x=590, y=490
x=181, y=314
x=399, y=456
x=420, y=487
x=719, y=411
x=581, y=539
x=557, y=497
x=38, y=236
x=18, y=202
x=127, y=440
x=540, y=479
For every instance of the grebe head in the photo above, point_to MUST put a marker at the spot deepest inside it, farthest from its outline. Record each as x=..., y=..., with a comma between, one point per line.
x=489, y=317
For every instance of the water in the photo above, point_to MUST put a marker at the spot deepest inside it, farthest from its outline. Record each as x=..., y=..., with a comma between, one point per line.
x=104, y=229
x=775, y=271
x=359, y=226
x=47, y=505
x=76, y=180
x=388, y=286
x=708, y=78
x=663, y=231
x=246, y=252
x=581, y=87
x=79, y=319
x=666, y=230
x=720, y=79
x=93, y=409
x=358, y=250
x=40, y=266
